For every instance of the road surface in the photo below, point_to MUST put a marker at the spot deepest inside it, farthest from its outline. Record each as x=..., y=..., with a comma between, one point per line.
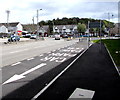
x=44, y=58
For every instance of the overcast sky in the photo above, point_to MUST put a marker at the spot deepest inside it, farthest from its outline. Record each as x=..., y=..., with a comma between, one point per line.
x=24, y=10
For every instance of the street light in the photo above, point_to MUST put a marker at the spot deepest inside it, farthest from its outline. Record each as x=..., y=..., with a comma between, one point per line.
x=38, y=24
x=109, y=15
x=8, y=12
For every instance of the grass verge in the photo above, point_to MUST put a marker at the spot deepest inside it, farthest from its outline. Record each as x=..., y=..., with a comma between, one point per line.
x=113, y=46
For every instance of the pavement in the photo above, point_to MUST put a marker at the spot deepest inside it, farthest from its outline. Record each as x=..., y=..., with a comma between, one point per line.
x=94, y=71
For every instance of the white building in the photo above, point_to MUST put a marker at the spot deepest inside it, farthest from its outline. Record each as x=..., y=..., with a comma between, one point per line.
x=65, y=29
x=3, y=29
x=14, y=27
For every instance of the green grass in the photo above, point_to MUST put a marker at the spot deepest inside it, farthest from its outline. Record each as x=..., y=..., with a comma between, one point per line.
x=113, y=46
x=95, y=41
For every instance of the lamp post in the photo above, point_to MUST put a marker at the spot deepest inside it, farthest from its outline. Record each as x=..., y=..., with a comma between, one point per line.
x=37, y=23
x=8, y=12
x=109, y=14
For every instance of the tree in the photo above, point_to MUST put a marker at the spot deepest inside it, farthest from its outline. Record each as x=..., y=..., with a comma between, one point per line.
x=81, y=28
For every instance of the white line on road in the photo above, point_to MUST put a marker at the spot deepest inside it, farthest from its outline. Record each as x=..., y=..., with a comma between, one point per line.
x=18, y=51
x=17, y=77
x=16, y=64
x=40, y=55
x=30, y=59
x=54, y=50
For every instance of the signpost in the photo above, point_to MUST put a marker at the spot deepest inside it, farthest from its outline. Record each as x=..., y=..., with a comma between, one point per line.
x=95, y=25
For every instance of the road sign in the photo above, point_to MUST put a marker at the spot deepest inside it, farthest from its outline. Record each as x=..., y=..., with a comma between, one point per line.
x=95, y=25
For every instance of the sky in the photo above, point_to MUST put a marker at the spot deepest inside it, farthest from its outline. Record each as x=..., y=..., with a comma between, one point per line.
x=23, y=11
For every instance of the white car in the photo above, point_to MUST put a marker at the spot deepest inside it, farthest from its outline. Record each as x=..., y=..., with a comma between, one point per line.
x=57, y=37
x=33, y=36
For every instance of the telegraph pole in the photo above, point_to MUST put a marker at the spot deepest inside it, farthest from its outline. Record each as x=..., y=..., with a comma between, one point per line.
x=8, y=12
x=119, y=18
x=33, y=20
x=88, y=33
x=109, y=25
x=38, y=24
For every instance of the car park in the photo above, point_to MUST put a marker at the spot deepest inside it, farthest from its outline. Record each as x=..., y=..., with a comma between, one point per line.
x=14, y=38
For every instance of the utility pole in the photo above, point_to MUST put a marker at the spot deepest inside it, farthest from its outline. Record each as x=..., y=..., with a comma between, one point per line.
x=100, y=35
x=33, y=20
x=119, y=18
x=88, y=33
x=109, y=25
x=38, y=24
x=8, y=12
x=53, y=27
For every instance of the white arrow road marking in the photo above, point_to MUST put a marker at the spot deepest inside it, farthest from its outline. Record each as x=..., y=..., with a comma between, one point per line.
x=17, y=77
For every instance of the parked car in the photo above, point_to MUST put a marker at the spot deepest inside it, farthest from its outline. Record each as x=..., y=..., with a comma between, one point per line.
x=27, y=35
x=64, y=36
x=14, y=38
x=57, y=37
x=33, y=36
x=117, y=35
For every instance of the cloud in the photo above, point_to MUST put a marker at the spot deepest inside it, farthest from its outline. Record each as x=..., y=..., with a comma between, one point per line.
x=25, y=10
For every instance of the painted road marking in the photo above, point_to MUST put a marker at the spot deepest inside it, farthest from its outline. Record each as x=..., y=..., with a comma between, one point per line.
x=17, y=77
x=54, y=50
x=61, y=55
x=56, y=59
x=82, y=94
x=16, y=64
x=18, y=51
x=30, y=59
x=40, y=55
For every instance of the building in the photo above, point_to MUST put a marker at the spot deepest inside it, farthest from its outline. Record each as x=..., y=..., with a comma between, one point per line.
x=65, y=29
x=44, y=30
x=14, y=27
x=32, y=28
x=3, y=29
x=115, y=30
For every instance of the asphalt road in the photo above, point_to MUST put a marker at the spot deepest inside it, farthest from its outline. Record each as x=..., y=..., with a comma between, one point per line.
x=93, y=71
x=13, y=53
x=22, y=73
